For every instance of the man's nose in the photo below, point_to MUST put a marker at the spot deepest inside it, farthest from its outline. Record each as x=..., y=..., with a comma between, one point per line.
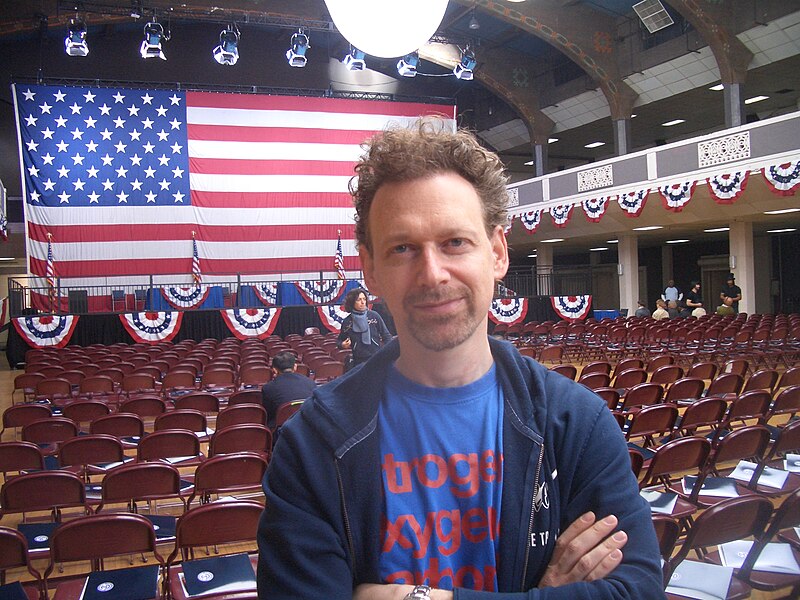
x=432, y=268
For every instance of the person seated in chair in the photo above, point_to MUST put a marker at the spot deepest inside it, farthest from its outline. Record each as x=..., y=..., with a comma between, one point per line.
x=286, y=386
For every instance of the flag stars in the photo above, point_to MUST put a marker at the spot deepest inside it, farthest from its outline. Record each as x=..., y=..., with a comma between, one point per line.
x=92, y=171
x=135, y=135
x=49, y=185
x=136, y=160
x=177, y=173
x=108, y=184
x=29, y=95
x=33, y=171
x=45, y=108
x=118, y=98
x=163, y=160
x=48, y=159
x=147, y=99
x=62, y=146
x=78, y=184
x=178, y=197
x=151, y=197
x=133, y=111
x=175, y=100
x=106, y=134
x=64, y=197
x=59, y=96
x=32, y=146
x=62, y=172
x=90, y=122
x=91, y=146
x=77, y=134
x=122, y=172
x=176, y=148
x=105, y=109
x=162, y=136
x=148, y=123
x=136, y=185
x=61, y=121
x=148, y=148
x=35, y=196
x=107, y=160
x=89, y=96
x=175, y=124
x=77, y=159
x=123, y=197
x=161, y=111
x=120, y=147
x=164, y=184
x=94, y=198
x=150, y=172
x=30, y=121
x=75, y=108
x=119, y=122
x=48, y=133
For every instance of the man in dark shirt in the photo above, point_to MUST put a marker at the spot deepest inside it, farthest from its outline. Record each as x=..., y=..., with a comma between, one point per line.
x=731, y=294
x=693, y=298
x=286, y=385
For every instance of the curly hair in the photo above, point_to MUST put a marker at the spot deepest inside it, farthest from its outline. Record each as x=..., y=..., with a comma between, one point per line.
x=399, y=155
x=352, y=296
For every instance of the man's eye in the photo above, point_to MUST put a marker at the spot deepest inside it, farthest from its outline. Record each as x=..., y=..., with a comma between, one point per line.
x=456, y=242
x=400, y=249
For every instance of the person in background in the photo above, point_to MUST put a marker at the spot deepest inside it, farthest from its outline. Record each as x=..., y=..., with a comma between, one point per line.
x=286, y=386
x=671, y=292
x=672, y=309
x=449, y=466
x=693, y=298
x=642, y=310
x=363, y=330
x=731, y=294
x=661, y=310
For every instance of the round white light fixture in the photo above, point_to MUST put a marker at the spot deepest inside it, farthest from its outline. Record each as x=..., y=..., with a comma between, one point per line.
x=387, y=28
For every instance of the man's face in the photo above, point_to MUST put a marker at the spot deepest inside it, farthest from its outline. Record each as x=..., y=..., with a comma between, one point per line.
x=671, y=283
x=696, y=288
x=360, y=302
x=432, y=260
x=730, y=282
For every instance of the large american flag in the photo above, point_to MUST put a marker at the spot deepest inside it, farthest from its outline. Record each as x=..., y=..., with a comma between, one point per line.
x=122, y=177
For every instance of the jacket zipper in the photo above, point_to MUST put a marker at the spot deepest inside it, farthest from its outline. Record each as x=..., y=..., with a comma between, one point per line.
x=347, y=529
x=530, y=522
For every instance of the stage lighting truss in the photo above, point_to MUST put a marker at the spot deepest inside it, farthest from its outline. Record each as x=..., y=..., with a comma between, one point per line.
x=463, y=70
x=407, y=66
x=151, y=44
x=227, y=53
x=296, y=55
x=354, y=60
x=75, y=42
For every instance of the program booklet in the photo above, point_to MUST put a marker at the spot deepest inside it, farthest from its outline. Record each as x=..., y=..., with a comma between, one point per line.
x=774, y=558
x=662, y=503
x=218, y=574
x=792, y=463
x=723, y=487
x=164, y=525
x=774, y=478
x=134, y=583
x=702, y=581
x=13, y=591
x=37, y=534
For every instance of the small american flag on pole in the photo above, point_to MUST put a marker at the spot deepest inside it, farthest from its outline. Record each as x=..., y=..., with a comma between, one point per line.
x=50, y=273
x=338, y=260
x=197, y=276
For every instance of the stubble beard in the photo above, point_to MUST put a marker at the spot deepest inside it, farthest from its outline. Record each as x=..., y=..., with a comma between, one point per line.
x=442, y=332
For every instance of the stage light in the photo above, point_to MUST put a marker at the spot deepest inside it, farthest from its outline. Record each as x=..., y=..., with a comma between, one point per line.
x=354, y=60
x=75, y=42
x=151, y=44
x=407, y=66
x=473, y=21
x=463, y=70
x=227, y=53
x=296, y=55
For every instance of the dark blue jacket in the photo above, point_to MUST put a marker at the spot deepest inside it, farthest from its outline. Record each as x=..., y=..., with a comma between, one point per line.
x=320, y=534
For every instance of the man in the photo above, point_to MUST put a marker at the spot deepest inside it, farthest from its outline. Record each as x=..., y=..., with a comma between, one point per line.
x=661, y=310
x=671, y=293
x=448, y=460
x=731, y=294
x=694, y=300
x=286, y=386
x=641, y=310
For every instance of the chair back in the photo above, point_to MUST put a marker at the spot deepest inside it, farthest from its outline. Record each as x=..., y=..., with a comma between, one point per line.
x=43, y=491
x=241, y=414
x=182, y=418
x=229, y=474
x=241, y=438
x=168, y=443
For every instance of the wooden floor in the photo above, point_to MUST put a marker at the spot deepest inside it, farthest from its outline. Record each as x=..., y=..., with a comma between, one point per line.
x=7, y=385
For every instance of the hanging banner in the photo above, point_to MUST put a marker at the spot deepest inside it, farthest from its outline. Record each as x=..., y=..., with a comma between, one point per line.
x=267, y=292
x=632, y=203
x=561, y=214
x=783, y=179
x=674, y=197
x=48, y=331
x=185, y=297
x=321, y=292
x=332, y=317
x=595, y=208
x=152, y=327
x=726, y=189
x=531, y=220
x=247, y=323
x=508, y=310
x=571, y=307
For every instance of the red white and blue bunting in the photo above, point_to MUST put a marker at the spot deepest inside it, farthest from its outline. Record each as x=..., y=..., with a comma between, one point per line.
x=185, y=297
x=152, y=327
x=561, y=214
x=677, y=195
x=332, y=316
x=726, y=189
x=783, y=179
x=571, y=307
x=508, y=310
x=267, y=292
x=632, y=203
x=595, y=208
x=246, y=323
x=531, y=220
x=48, y=331
x=321, y=292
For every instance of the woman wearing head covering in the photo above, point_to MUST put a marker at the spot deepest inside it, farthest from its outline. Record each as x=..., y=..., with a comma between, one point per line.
x=363, y=330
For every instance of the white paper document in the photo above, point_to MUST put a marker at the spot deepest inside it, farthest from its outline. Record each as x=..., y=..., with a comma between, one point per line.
x=662, y=503
x=792, y=463
x=774, y=558
x=774, y=478
x=702, y=581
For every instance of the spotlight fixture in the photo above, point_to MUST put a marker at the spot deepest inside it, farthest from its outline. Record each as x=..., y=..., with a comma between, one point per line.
x=463, y=70
x=296, y=55
x=407, y=66
x=227, y=53
x=151, y=44
x=75, y=42
x=473, y=21
x=354, y=60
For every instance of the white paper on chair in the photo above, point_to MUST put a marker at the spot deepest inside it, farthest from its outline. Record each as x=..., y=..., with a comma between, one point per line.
x=774, y=558
x=662, y=503
x=792, y=463
x=723, y=487
x=177, y=459
x=774, y=478
x=702, y=581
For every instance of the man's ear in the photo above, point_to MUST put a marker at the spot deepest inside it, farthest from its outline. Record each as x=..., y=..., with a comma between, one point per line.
x=368, y=267
x=500, y=252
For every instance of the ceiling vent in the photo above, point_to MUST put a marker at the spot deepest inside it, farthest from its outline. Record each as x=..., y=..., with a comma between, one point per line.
x=653, y=14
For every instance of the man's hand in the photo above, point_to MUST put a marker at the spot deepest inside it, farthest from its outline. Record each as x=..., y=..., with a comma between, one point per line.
x=377, y=591
x=346, y=343
x=586, y=551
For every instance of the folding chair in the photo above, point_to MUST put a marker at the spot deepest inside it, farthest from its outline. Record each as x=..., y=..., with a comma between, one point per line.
x=642, y=394
x=91, y=454
x=228, y=474
x=83, y=412
x=176, y=446
x=183, y=418
x=241, y=438
x=118, y=300
x=726, y=385
x=567, y=370
x=204, y=402
x=241, y=414
x=43, y=491
x=667, y=532
x=18, y=457
x=128, y=427
x=703, y=417
x=177, y=382
x=13, y=555
x=26, y=383
x=49, y=433
x=595, y=380
x=286, y=411
x=597, y=366
x=17, y=416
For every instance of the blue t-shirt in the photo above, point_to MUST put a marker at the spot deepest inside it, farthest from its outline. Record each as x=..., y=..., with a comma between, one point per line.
x=442, y=465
